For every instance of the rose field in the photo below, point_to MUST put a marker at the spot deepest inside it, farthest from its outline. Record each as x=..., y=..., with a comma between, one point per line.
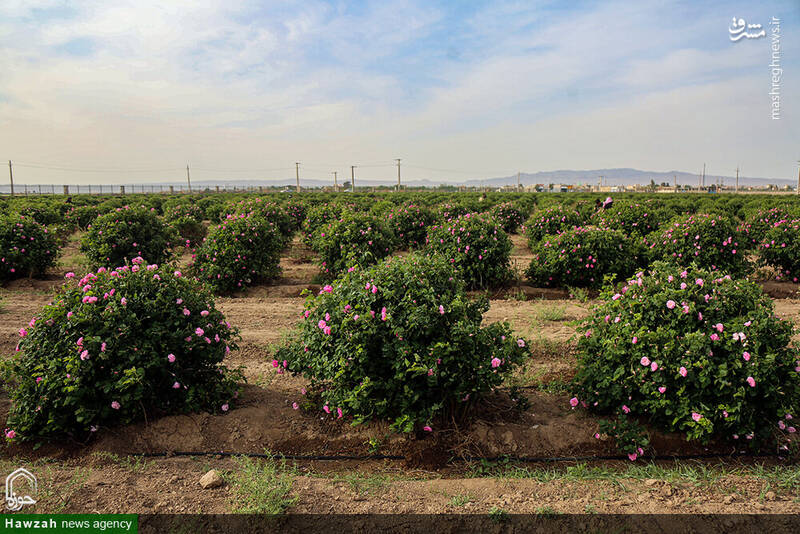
x=470, y=353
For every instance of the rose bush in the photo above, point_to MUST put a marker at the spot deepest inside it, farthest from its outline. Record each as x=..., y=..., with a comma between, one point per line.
x=238, y=251
x=297, y=212
x=317, y=217
x=400, y=341
x=548, y=221
x=27, y=248
x=213, y=207
x=690, y=351
x=268, y=210
x=509, y=217
x=584, y=256
x=759, y=222
x=119, y=346
x=46, y=213
x=126, y=233
x=410, y=223
x=187, y=220
x=353, y=239
x=780, y=248
x=81, y=217
x=476, y=246
x=710, y=241
x=448, y=211
x=633, y=218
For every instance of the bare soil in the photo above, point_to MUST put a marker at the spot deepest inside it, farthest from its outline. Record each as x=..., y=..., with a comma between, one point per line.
x=103, y=484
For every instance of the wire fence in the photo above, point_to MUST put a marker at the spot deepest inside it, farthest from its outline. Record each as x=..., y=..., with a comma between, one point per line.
x=109, y=189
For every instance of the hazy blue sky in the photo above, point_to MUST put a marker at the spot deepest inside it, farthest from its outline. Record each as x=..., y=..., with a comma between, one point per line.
x=474, y=88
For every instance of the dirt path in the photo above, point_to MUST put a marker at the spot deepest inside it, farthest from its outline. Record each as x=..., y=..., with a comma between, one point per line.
x=100, y=483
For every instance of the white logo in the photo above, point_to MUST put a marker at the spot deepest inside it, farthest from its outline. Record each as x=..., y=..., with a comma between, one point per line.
x=738, y=26
x=16, y=502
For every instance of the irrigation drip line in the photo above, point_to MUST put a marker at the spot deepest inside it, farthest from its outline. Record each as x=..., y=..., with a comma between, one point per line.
x=655, y=457
x=519, y=459
x=225, y=454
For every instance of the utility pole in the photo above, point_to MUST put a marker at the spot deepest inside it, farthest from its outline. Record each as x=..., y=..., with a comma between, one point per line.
x=798, y=179
x=11, y=177
x=398, y=174
x=675, y=182
x=335, y=185
x=188, y=179
x=353, y=178
x=297, y=174
x=703, y=179
x=737, y=178
x=519, y=188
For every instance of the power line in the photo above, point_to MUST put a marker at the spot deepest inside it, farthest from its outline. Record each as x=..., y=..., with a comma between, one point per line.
x=161, y=169
x=276, y=169
x=73, y=169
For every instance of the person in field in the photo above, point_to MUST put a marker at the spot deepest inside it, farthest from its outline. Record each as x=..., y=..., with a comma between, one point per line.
x=603, y=205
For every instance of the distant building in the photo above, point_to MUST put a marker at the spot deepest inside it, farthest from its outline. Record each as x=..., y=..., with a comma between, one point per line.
x=608, y=189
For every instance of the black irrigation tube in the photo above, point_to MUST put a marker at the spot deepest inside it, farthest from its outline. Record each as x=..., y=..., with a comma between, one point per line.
x=225, y=454
x=597, y=458
x=520, y=459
